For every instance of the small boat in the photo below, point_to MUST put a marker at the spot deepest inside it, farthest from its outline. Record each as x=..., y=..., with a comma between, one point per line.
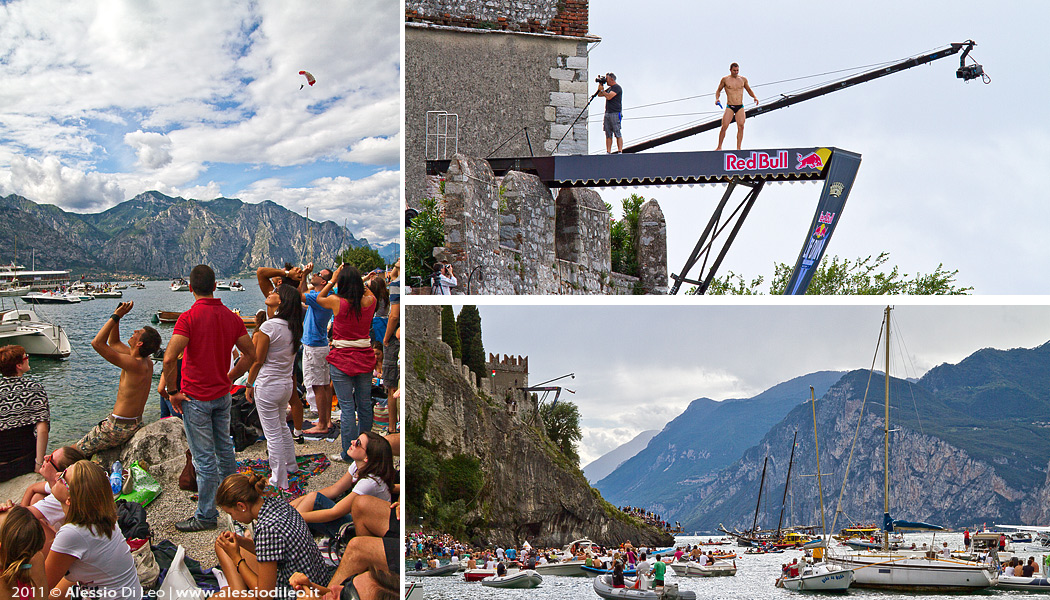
x=820, y=577
x=180, y=285
x=11, y=289
x=521, y=580
x=168, y=316
x=603, y=587
x=718, y=569
x=38, y=337
x=120, y=286
x=138, y=286
x=108, y=294
x=478, y=574
x=222, y=287
x=413, y=591
x=236, y=287
x=1030, y=584
x=565, y=568
x=435, y=572
x=50, y=298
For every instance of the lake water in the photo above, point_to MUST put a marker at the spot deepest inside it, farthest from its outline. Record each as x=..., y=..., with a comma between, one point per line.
x=755, y=577
x=82, y=389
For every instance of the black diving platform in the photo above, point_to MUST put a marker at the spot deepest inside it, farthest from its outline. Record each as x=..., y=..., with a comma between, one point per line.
x=667, y=168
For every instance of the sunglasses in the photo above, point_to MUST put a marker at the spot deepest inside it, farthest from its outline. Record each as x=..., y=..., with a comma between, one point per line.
x=61, y=477
x=357, y=443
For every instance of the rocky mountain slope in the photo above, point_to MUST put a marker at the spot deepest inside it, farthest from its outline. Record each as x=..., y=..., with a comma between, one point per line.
x=530, y=491
x=600, y=467
x=705, y=438
x=160, y=236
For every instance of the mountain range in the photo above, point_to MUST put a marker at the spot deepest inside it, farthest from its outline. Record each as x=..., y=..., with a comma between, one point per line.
x=968, y=446
x=597, y=469
x=162, y=237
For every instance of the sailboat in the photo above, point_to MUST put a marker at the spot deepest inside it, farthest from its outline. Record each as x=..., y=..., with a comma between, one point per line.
x=909, y=570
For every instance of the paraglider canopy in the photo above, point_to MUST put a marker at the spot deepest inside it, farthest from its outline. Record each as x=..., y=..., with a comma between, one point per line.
x=309, y=78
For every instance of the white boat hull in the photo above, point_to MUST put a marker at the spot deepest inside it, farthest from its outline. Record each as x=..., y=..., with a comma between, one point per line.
x=718, y=569
x=820, y=578
x=564, y=569
x=522, y=580
x=414, y=591
x=39, y=338
x=47, y=298
x=1030, y=584
x=603, y=587
x=909, y=572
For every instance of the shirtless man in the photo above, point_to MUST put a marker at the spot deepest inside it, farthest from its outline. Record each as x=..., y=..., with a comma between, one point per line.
x=734, y=85
x=136, y=381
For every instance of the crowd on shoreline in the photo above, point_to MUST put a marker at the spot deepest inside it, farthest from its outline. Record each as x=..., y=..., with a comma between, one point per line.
x=651, y=518
x=331, y=329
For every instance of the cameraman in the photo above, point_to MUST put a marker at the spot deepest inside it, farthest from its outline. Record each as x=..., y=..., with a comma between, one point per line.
x=444, y=281
x=613, y=111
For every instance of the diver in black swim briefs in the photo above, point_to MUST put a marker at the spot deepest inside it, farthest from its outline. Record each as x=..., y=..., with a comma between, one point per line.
x=735, y=86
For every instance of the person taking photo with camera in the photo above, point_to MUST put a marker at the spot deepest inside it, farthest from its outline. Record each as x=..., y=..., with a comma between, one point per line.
x=613, y=111
x=444, y=280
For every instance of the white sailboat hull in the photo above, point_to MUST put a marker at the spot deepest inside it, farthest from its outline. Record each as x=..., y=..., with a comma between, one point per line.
x=820, y=579
x=904, y=572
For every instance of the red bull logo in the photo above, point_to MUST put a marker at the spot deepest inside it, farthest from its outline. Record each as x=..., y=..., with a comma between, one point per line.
x=809, y=161
x=820, y=231
x=758, y=161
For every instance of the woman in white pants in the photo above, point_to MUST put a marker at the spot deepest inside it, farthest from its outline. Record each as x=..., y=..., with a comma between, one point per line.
x=270, y=379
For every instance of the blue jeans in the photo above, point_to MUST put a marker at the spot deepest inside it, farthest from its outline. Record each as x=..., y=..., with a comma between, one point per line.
x=207, y=426
x=329, y=528
x=355, y=400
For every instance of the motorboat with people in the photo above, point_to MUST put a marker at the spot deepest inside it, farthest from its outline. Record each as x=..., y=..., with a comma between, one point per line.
x=819, y=577
x=108, y=293
x=38, y=337
x=521, y=580
x=222, y=286
x=236, y=287
x=1027, y=584
x=718, y=568
x=603, y=587
x=50, y=298
x=448, y=569
x=565, y=563
x=180, y=285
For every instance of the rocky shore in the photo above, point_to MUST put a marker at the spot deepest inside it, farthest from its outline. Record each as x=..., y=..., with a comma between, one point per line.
x=161, y=446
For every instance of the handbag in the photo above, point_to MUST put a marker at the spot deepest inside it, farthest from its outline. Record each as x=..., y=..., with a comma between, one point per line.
x=188, y=478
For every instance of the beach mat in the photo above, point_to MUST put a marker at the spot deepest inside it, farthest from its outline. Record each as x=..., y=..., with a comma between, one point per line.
x=309, y=465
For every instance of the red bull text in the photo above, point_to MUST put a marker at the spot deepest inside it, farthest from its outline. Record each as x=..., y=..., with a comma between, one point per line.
x=758, y=161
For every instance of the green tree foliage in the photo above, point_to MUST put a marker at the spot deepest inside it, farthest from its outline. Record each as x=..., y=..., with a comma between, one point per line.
x=449, y=331
x=837, y=276
x=426, y=233
x=561, y=421
x=364, y=258
x=421, y=473
x=460, y=478
x=624, y=236
x=469, y=323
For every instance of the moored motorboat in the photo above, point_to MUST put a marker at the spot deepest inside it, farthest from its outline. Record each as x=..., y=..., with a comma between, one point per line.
x=1031, y=584
x=522, y=580
x=50, y=298
x=717, y=569
x=10, y=289
x=448, y=569
x=38, y=337
x=604, y=588
x=819, y=577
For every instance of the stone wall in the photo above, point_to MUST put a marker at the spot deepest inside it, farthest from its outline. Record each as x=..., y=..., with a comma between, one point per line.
x=505, y=68
x=510, y=236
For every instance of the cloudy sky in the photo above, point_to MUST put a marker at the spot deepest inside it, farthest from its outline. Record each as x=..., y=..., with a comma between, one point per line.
x=104, y=99
x=638, y=366
x=952, y=172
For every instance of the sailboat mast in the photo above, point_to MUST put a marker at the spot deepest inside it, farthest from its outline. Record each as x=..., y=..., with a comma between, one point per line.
x=816, y=445
x=787, y=483
x=761, y=484
x=886, y=443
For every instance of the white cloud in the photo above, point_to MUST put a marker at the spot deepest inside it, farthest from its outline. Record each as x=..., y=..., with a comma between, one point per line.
x=49, y=182
x=153, y=149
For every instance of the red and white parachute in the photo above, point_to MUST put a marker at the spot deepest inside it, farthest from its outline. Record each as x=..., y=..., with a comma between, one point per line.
x=309, y=78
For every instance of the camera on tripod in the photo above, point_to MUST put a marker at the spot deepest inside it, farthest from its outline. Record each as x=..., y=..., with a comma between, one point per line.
x=601, y=79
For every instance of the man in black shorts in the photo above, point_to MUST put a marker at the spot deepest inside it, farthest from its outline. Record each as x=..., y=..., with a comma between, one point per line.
x=735, y=86
x=613, y=112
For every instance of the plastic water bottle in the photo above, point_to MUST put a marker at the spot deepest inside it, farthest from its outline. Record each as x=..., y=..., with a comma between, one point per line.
x=115, y=477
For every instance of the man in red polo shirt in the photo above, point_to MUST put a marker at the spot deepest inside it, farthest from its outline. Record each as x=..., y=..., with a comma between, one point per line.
x=206, y=335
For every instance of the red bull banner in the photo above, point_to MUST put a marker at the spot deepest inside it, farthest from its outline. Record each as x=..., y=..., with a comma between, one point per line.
x=840, y=169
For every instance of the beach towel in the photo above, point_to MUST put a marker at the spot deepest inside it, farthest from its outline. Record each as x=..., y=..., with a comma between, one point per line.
x=309, y=465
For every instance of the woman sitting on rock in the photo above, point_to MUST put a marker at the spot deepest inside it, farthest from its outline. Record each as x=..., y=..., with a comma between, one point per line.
x=371, y=473
x=282, y=544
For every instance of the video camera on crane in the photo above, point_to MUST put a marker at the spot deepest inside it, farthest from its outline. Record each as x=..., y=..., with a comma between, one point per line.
x=967, y=72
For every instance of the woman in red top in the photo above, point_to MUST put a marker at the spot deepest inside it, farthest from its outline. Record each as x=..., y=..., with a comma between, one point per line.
x=351, y=359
